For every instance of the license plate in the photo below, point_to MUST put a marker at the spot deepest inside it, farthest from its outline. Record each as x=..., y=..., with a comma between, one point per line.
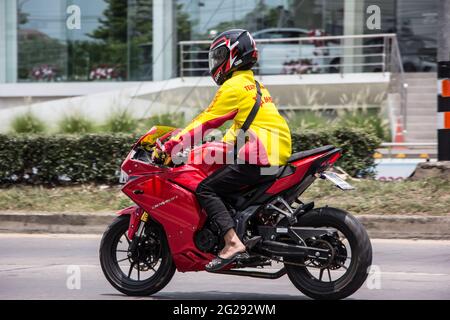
x=339, y=182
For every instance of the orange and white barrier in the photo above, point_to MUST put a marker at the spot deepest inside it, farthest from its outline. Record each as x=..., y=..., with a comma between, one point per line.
x=444, y=111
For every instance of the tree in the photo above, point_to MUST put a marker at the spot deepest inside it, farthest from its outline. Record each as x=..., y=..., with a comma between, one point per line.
x=261, y=17
x=125, y=35
x=113, y=27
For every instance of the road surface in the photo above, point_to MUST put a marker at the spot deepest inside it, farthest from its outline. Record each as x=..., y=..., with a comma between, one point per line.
x=39, y=266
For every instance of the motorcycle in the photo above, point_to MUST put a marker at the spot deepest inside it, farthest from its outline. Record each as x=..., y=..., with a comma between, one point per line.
x=325, y=252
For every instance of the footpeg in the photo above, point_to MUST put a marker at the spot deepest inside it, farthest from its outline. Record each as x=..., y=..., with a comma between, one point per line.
x=250, y=243
x=301, y=210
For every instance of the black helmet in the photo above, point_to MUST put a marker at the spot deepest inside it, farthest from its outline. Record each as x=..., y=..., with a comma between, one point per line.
x=230, y=51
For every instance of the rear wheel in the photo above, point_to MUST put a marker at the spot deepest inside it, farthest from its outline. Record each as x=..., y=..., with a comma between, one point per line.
x=140, y=273
x=351, y=258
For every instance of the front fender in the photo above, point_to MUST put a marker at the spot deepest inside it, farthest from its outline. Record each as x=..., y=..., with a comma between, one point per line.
x=135, y=213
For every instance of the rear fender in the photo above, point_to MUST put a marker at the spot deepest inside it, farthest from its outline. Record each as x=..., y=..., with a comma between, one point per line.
x=135, y=213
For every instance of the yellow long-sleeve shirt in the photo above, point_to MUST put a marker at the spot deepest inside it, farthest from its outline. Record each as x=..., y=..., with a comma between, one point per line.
x=269, y=140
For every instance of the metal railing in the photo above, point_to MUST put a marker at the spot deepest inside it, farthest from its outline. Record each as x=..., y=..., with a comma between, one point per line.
x=335, y=54
x=390, y=145
x=425, y=150
x=398, y=84
x=315, y=55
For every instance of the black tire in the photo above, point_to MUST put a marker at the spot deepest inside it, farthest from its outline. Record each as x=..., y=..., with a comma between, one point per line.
x=361, y=256
x=114, y=274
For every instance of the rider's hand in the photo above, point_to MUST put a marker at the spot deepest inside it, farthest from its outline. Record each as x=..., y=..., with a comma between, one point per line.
x=158, y=156
x=168, y=160
x=169, y=145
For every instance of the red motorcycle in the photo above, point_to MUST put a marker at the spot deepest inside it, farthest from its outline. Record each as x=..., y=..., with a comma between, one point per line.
x=325, y=252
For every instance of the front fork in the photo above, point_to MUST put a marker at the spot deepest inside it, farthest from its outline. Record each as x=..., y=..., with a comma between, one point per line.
x=136, y=237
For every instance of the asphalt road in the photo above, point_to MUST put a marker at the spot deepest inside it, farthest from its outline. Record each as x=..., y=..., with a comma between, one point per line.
x=38, y=267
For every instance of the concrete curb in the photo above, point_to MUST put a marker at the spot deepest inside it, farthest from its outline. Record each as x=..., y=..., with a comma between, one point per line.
x=378, y=226
x=46, y=222
x=406, y=227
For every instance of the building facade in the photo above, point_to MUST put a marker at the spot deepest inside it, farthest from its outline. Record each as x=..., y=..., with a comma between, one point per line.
x=137, y=40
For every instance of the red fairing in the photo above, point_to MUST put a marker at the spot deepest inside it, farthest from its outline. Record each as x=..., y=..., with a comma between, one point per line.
x=176, y=209
x=167, y=194
x=189, y=178
x=202, y=161
x=291, y=180
x=135, y=213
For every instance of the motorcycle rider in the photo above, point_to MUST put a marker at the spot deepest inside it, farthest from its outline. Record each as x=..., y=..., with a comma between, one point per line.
x=231, y=56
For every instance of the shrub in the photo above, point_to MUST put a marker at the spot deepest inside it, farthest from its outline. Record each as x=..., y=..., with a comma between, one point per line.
x=358, y=146
x=28, y=123
x=166, y=119
x=76, y=124
x=367, y=119
x=121, y=121
x=96, y=158
x=62, y=159
x=364, y=118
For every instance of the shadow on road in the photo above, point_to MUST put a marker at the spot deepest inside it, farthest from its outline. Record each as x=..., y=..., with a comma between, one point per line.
x=216, y=295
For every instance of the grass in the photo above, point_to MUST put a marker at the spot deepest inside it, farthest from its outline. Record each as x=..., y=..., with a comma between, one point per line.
x=120, y=121
x=306, y=119
x=364, y=118
x=86, y=198
x=76, y=123
x=28, y=123
x=427, y=197
x=424, y=197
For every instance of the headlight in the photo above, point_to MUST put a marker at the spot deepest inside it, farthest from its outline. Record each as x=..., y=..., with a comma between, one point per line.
x=123, y=177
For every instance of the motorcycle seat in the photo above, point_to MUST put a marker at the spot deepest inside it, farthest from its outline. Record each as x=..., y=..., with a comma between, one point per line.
x=304, y=154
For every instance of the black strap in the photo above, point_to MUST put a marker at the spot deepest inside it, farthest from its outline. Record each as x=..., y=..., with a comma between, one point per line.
x=240, y=139
x=252, y=115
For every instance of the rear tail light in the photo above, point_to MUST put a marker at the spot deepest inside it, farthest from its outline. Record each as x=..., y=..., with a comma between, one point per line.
x=329, y=161
x=334, y=157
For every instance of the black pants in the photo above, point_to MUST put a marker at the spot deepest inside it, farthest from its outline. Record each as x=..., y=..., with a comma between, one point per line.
x=226, y=181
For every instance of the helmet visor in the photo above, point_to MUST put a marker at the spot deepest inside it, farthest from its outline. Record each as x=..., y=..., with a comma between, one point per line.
x=217, y=57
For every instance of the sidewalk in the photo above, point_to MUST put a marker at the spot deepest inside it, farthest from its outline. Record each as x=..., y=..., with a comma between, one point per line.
x=378, y=226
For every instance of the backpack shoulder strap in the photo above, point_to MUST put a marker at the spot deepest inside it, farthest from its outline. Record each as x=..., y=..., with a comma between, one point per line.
x=252, y=115
x=240, y=139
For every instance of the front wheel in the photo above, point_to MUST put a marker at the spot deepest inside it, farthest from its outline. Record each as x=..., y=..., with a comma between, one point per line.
x=140, y=273
x=352, y=256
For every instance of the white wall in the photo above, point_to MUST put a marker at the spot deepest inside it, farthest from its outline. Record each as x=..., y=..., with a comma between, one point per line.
x=190, y=95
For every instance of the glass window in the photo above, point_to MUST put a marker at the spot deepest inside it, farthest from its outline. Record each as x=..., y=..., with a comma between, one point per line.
x=416, y=31
x=42, y=41
x=113, y=43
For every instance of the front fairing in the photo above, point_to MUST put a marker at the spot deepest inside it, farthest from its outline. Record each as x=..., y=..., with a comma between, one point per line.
x=138, y=160
x=156, y=132
x=210, y=156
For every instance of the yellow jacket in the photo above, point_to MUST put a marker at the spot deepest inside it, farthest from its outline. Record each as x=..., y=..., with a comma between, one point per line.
x=269, y=141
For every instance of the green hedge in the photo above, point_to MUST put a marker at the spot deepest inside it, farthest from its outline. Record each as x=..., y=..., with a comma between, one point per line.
x=358, y=147
x=96, y=158
x=52, y=159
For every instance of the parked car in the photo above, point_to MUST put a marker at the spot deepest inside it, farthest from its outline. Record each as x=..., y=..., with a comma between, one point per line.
x=419, y=54
x=293, y=57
